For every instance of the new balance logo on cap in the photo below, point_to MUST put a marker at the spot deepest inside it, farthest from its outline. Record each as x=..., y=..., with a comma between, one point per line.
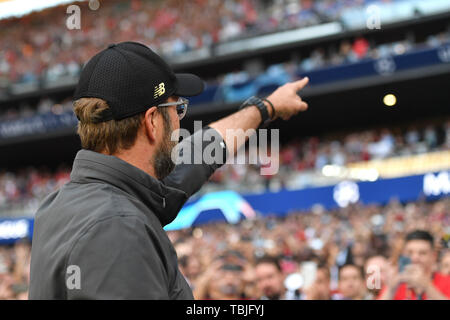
x=159, y=90
x=123, y=75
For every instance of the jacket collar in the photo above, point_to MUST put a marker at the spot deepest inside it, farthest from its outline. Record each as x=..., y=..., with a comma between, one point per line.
x=162, y=200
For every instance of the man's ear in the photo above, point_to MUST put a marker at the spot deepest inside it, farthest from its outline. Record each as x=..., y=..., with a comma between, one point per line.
x=151, y=123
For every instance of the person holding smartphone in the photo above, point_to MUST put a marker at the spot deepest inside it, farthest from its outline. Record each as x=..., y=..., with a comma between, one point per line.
x=417, y=280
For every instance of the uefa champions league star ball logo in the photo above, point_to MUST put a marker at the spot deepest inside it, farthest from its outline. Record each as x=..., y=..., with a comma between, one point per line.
x=346, y=192
x=444, y=53
x=385, y=66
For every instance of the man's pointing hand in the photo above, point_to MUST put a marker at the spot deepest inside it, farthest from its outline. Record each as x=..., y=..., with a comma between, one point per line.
x=286, y=101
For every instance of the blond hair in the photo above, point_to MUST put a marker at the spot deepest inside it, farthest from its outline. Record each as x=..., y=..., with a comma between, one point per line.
x=109, y=136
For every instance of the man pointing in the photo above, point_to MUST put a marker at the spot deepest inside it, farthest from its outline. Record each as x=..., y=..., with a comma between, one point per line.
x=101, y=235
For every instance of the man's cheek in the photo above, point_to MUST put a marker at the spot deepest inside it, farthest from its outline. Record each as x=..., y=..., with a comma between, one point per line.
x=175, y=120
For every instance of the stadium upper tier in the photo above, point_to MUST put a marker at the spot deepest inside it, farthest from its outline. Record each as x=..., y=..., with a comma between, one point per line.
x=40, y=46
x=355, y=60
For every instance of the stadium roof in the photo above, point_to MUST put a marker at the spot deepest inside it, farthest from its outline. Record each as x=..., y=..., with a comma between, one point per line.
x=18, y=8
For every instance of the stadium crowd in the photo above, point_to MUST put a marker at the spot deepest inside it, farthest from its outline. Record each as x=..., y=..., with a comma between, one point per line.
x=348, y=253
x=22, y=190
x=335, y=252
x=44, y=106
x=348, y=51
x=40, y=45
x=396, y=251
x=312, y=154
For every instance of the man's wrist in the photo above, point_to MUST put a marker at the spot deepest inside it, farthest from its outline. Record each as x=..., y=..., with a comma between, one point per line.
x=270, y=109
x=264, y=108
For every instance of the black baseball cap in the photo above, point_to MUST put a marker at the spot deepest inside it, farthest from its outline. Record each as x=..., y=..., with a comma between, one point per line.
x=131, y=78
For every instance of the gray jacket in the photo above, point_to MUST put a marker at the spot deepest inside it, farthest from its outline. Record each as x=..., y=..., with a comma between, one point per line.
x=101, y=236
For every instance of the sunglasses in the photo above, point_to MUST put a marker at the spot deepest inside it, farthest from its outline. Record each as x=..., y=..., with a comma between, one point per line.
x=181, y=104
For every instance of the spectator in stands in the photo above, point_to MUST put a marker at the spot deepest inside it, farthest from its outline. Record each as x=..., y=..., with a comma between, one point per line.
x=222, y=281
x=445, y=263
x=6, y=286
x=447, y=134
x=190, y=266
x=351, y=283
x=430, y=137
x=360, y=47
x=269, y=278
x=14, y=271
x=254, y=238
x=359, y=251
x=418, y=281
x=320, y=288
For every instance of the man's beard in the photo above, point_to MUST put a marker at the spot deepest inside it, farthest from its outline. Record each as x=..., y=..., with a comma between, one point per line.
x=162, y=160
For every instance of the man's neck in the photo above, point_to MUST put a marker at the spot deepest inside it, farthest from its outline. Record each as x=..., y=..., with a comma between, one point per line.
x=137, y=161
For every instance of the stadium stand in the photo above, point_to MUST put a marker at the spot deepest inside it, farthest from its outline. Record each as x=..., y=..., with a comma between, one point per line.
x=353, y=235
x=48, y=115
x=354, y=178
x=302, y=164
x=45, y=51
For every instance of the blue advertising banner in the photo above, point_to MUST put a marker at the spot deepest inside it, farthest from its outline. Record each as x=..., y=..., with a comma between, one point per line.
x=430, y=186
x=40, y=123
x=231, y=207
x=384, y=66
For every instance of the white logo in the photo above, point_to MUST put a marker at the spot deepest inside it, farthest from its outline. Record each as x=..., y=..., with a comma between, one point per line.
x=436, y=185
x=444, y=54
x=345, y=193
x=385, y=66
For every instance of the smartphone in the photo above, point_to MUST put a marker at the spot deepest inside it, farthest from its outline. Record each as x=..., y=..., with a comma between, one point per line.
x=403, y=261
x=232, y=267
x=308, y=272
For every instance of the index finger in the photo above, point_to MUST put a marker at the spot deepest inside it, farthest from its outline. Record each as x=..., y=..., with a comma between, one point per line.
x=300, y=84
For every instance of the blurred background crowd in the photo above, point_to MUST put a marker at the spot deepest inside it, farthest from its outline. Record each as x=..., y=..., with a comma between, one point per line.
x=348, y=253
x=391, y=250
x=24, y=189
x=232, y=86
x=38, y=46
x=331, y=250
